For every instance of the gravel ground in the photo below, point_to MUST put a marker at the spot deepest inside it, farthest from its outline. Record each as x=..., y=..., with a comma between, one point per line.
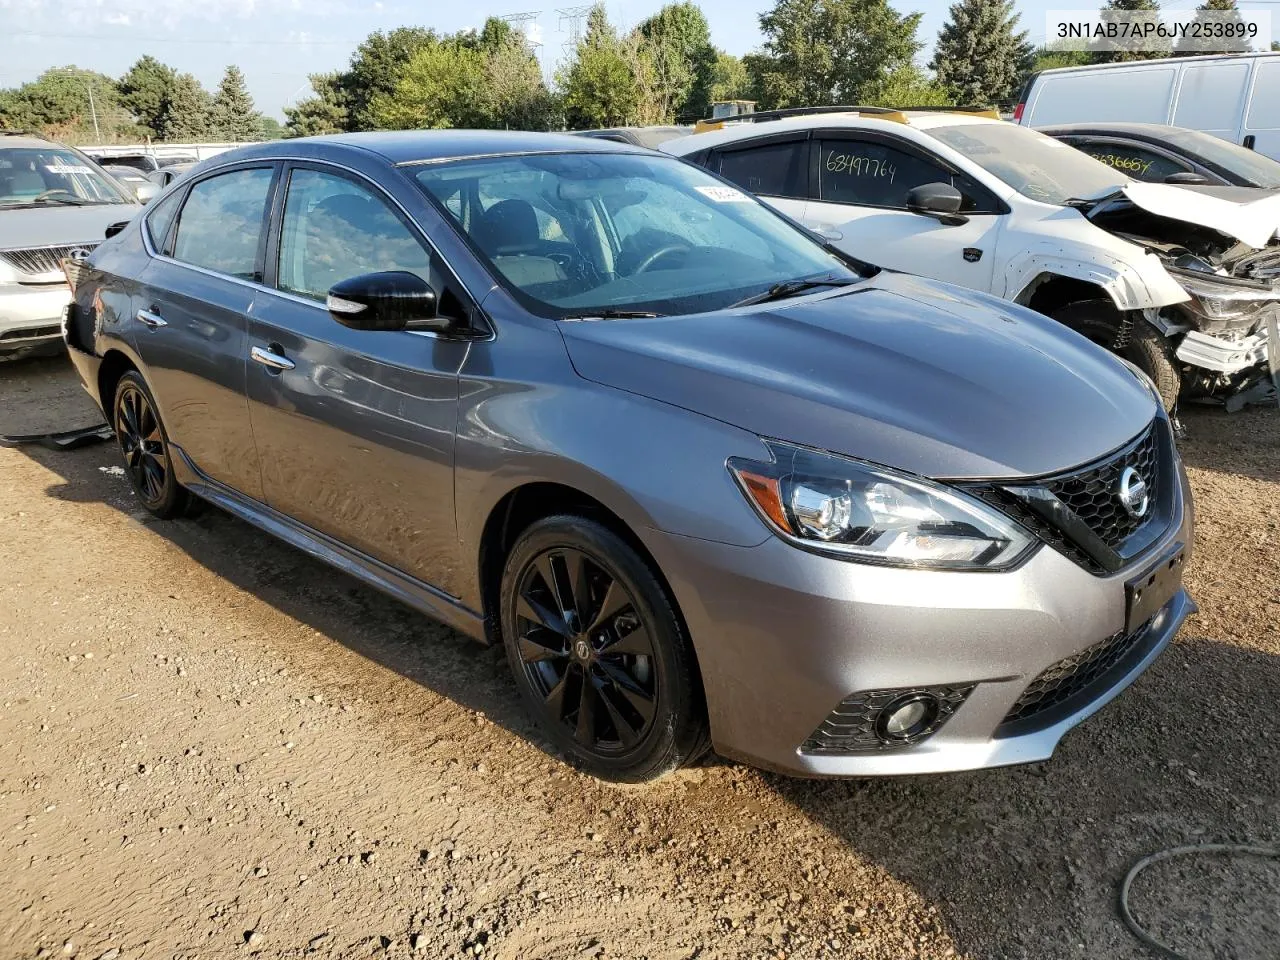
x=212, y=746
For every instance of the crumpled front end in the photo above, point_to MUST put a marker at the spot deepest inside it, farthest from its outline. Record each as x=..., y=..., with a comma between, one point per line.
x=1222, y=331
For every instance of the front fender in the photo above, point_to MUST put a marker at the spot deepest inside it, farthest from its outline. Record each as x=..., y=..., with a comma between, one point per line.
x=1131, y=286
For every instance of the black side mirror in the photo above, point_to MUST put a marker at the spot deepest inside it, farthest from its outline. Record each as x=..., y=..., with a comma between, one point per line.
x=938, y=200
x=1186, y=178
x=394, y=300
x=114, y=228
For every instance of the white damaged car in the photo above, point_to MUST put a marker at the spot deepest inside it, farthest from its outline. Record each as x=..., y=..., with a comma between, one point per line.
x=1183, y=281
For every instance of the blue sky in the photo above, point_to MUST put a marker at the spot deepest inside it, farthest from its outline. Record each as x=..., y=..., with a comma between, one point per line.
x=278, y=42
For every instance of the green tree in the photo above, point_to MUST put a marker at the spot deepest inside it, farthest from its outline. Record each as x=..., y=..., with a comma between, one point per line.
x=981, y=56
x=1189, y=46
x=598, y=84
x=190, y=111
x=234, y=117
x=1127, y=49
x=325, y=111
x=377, y=68
x=1051, y=58
x=271, y=128
x=513, y=94
x=730, y=80
x=678, y=43
x=819, y=52
x=60, y=104
x=441, y=86
x=145, y=91
x=907, y=86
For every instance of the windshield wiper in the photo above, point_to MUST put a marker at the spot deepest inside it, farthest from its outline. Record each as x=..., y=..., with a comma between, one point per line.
x=609, y=313
x=69, y=201
x=792, y=288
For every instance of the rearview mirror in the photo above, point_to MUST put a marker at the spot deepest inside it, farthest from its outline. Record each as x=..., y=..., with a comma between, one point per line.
x=393, y=300
x=938, y=200
x=114, y=228
x=1186, y=178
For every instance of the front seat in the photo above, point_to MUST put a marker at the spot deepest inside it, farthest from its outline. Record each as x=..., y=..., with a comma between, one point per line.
x=508, y=227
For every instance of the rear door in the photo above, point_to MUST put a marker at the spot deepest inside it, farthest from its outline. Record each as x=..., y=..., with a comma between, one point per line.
x=355, y=428
x=860, y=183
x=776, y=169
x=1261, y=130
x=1211, y=97
x=193, y=310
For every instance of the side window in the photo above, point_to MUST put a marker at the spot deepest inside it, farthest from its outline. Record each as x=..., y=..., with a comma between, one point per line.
x=873, y=174
x=221, y=223
x=160, y=217
x=1134, y=160
x=335, y=229
x=772, y=169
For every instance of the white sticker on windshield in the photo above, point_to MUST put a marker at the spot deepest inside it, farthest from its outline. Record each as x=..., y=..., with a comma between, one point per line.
x=67, y=168
x=723, y=194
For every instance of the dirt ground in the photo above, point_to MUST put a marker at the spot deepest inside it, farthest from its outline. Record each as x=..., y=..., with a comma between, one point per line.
x=213, y=746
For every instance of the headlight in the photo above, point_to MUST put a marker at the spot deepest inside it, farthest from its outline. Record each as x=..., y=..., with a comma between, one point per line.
x=856, y=511
x=8, y=274
x=1223, y=301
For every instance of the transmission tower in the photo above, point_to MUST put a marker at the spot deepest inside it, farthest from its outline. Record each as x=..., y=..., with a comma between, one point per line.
x=521, y=22
x=575, y=16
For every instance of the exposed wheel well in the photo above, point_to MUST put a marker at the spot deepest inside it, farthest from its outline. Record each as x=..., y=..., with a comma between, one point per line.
x=114, y=366
x=1049, y=293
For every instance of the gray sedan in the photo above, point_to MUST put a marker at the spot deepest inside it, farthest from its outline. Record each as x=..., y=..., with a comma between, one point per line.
x=708, y=482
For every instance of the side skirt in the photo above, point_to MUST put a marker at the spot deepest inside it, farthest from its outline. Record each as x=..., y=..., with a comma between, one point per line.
x=408, y=590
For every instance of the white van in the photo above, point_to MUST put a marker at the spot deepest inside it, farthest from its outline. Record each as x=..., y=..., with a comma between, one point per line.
x=1232, y=96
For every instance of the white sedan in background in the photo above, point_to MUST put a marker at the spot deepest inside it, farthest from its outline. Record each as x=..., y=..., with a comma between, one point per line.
x=1178, y=280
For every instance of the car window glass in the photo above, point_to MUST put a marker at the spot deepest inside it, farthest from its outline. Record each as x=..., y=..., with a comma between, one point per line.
x=1135, y=161
x=335, y=229
x=772, y=169
x=160, y=217
x=221, y=223
x=645, y=225
x=872, y=174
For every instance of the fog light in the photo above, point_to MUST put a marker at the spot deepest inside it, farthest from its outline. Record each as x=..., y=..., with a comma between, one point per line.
x=907, y=717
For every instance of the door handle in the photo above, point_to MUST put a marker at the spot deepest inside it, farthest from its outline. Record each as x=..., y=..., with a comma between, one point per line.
x=1249, y=141
x=268, y=357
x=152, y=320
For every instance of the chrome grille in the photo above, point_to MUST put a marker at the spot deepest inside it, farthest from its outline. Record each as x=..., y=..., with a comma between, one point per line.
x=36, y=261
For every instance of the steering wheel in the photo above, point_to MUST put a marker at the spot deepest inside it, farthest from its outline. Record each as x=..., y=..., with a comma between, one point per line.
x=53, y=192
x=664, y=251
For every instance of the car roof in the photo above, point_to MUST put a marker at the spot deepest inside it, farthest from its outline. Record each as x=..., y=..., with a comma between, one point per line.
x=888, y=121
x=1120, y=128
x=26, y=141
x=425, y=146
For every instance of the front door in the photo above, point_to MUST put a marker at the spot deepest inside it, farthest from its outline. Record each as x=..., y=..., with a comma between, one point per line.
x=859, y=201
x=193, y=305
x=355, y=428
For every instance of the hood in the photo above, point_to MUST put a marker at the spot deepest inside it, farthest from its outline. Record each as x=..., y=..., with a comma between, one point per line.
x=1248, y=215
x=900, y=371
x=49, y=226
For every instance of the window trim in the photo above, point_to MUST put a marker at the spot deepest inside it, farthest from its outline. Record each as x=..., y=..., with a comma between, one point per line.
x=988, y=204
x=171, y=238
x=715, y=160
x=478, y=320
x=1076, y=139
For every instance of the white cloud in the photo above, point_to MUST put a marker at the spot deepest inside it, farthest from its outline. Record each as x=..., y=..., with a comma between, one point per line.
x=116, y=19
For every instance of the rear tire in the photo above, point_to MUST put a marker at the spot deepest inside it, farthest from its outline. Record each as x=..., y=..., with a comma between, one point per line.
x=145, y=446
x=1146, y=348
x=599, y=653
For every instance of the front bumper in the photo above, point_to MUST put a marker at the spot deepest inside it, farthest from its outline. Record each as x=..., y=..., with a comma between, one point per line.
x=783, y=636
x=31, y=314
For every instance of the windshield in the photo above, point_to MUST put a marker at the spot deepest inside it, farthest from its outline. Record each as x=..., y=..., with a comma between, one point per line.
x=49, y=175
x=1038, y=167
x=1258, y=169
x=582, y=234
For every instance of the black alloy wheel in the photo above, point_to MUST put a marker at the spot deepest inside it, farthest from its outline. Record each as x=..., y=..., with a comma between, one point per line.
x=599, y=653
x=145, y=447
x=585, y=650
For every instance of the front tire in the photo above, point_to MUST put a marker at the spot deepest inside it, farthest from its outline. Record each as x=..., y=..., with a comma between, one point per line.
x=599, y=653
x=145, y=447
x=1146, y=348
